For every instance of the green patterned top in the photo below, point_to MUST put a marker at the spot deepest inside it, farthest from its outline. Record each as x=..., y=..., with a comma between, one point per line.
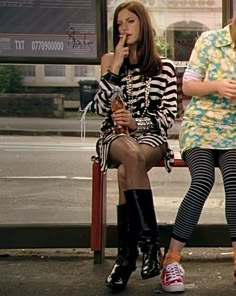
x=210, y=121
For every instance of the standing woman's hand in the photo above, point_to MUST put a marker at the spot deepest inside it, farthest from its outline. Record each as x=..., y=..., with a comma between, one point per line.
x=226, y=88
x=121, y=52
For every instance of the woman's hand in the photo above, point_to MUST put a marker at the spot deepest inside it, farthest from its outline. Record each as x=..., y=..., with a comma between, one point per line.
x=124, y=117
x=121, y=52
x=226, y=88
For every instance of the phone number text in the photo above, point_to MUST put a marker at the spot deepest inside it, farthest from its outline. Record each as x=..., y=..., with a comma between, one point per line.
x=47, y=45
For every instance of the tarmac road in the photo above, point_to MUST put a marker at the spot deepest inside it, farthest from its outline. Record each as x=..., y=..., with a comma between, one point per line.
x=48, y=179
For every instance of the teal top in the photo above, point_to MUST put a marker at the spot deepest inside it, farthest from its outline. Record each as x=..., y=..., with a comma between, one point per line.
x=210, y=121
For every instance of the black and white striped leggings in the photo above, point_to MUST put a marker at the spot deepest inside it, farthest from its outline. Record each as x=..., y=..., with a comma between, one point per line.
x=201, y=164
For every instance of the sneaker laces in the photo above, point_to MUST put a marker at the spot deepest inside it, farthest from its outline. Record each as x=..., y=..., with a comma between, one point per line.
x=174, y=271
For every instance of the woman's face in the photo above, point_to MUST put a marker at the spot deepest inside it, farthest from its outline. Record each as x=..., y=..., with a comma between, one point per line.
x=128, y=24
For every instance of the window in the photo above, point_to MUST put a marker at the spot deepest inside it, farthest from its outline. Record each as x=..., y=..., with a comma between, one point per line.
x=54, y=71
x=85, y=71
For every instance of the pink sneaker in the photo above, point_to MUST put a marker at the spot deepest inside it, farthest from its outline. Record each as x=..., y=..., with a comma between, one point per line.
x=172, y=278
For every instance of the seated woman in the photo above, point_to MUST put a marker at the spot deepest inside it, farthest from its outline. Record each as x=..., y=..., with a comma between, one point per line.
x=134, y=135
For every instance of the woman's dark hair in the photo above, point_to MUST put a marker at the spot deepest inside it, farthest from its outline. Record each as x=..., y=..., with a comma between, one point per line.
x=148, y=57
x=233, y=31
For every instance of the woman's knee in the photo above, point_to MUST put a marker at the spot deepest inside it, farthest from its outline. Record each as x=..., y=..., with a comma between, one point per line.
x=203, y=181
x=135, y=156
x=202, y=167
x=126, y=151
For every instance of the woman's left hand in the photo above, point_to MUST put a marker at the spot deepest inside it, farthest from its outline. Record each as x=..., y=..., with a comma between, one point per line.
x=124, y=117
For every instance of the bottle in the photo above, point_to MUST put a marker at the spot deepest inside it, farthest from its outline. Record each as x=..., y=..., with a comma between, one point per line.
x=116, y=104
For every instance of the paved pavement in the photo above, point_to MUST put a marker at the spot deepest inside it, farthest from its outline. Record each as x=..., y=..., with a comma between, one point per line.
x=72, y=272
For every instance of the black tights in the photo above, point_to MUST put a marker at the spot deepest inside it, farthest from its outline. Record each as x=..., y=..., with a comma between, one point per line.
x=201, y=164
x=133, y=161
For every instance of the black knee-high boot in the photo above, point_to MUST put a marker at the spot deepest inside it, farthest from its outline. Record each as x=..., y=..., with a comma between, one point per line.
x=125, y=263
x=142, y=214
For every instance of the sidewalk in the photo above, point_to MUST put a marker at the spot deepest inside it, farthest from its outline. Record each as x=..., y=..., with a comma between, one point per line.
x=89, y=127
x=72, y=273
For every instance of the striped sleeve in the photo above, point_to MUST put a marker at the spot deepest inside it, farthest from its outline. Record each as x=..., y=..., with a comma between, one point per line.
x=102, y=99
x=166, y=114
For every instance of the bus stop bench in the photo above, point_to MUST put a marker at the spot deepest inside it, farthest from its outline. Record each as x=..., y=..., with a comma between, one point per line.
x=105, y=236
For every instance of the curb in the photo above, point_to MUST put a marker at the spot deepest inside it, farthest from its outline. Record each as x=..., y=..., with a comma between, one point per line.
x=89, y=134
x=46, y=133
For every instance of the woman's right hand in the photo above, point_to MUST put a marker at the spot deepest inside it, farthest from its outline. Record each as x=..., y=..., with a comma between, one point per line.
x=121, y=52
x=125, y=118
x=226, y=88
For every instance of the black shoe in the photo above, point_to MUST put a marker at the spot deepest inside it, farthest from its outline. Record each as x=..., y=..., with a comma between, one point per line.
x=151, y=266
x=120, y=273
x=142, y=216
x=125, y=263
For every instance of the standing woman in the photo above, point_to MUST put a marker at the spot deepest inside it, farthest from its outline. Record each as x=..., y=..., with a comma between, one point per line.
x=207, y=138
x=148, y=87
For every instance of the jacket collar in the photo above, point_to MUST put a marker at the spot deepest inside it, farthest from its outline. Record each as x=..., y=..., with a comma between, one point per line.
x=224, y=37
